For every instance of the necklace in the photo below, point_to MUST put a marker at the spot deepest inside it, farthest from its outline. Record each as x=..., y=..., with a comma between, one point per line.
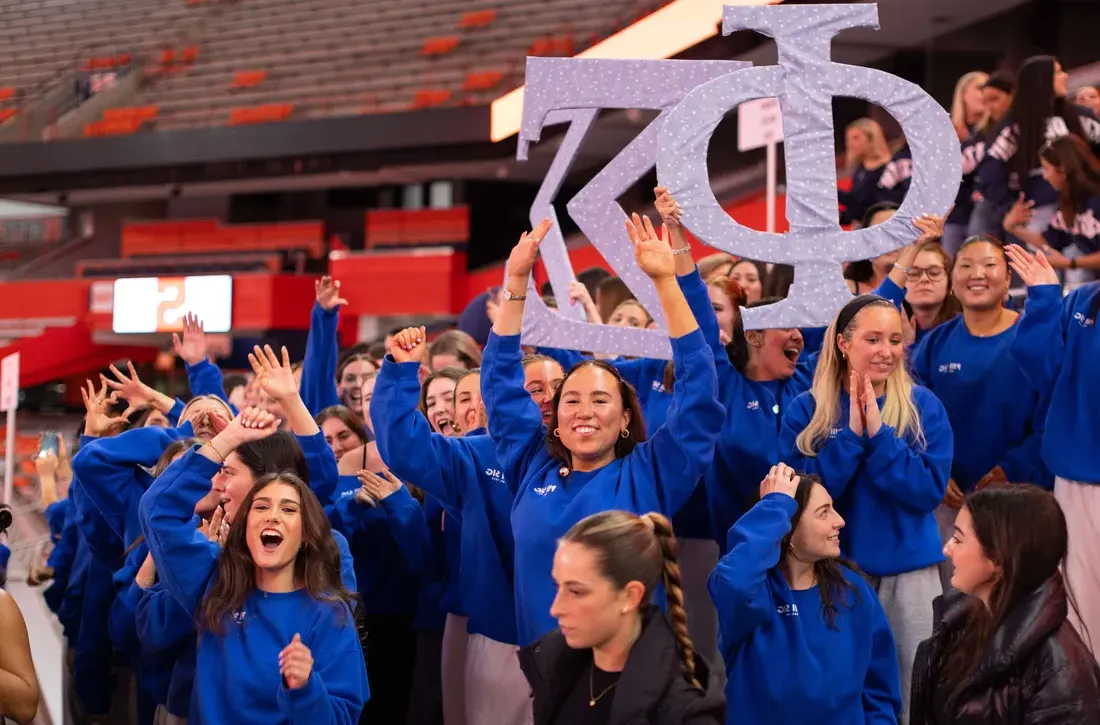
x=593, y=698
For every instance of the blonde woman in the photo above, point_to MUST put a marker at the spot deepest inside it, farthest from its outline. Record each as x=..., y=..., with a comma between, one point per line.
x=972, y=119
x=867, y=156
x=883, y=449
x=967, y=108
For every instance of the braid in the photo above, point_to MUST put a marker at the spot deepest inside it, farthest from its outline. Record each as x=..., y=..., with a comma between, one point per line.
x=674, y=593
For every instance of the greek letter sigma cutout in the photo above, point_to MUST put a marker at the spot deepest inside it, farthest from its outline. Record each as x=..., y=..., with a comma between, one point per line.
x=693, y=97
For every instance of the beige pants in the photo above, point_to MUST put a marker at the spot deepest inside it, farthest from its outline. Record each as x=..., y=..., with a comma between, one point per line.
x=453, y=670
x=497, y=693
x=1080, y=503
x=164, y=718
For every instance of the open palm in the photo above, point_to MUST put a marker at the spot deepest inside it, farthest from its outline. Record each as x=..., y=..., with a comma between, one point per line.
x=191, y=348
x=274, y=377
x=653, y=253
x=1034, y=270
x=526, y=251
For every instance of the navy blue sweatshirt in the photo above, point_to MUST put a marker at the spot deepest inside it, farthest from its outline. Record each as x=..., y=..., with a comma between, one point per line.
x=863, y=195
x=1057, y=346
x=466, y=477
x=784, y=663
x=658, y=475
x=1084, y=231
x=895, y=179
x=973, y=150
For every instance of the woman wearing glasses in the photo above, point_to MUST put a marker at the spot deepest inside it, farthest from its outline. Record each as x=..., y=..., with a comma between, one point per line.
x=929, y=301
x=964, y=360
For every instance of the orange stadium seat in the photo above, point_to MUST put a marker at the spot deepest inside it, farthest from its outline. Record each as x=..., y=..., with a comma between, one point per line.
x=248, y=78
x=477, y=19
x=431, y=98
x=398, y=227
x=143, y=113
x=207, y=236
x=260, y=114
x=6, y=93
x=482, y=80
x=440, y=46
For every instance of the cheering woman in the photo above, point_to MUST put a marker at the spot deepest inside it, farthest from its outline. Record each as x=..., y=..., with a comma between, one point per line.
x=592, y=456
x=882, y=446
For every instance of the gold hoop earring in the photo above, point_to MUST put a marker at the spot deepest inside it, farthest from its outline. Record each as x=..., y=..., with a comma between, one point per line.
x=624, y=434
x=557, y=433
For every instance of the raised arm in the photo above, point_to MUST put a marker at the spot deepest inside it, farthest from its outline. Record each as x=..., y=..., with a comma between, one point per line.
x=739, y=584
x=509, y=319
x=1040, y=344
x=203, y=376
x=404, y=517
x=322, y=349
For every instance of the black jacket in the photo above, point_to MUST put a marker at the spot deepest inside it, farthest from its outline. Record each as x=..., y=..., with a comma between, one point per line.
x=651, y=690
x=1036, y=670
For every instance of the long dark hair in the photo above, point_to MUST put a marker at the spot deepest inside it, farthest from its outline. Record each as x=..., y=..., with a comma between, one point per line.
x=832, y=585
x=343, y=414
x=316, y=566
x=1021, y=529
x=1032, y=107
x=1073, y=157
x=277, y=453
x=738, y=346
x=635, y=428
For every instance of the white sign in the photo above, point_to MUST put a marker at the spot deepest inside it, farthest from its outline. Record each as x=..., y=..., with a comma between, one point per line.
x=158, y=304
x=759, y=123
x=9, y=382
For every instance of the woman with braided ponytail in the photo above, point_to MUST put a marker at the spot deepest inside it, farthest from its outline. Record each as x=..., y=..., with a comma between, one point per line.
x=615, y=658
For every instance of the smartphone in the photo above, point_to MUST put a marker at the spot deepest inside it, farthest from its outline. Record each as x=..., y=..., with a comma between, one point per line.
x=51, y=443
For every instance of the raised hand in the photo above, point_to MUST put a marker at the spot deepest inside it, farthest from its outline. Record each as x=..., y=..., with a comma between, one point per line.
x=930, y=227
x=1034, y=270
x=216, y=528
x=192, y=348
x=780, y=479
x=328, y=293
x=251, y=424
x=667, y=207
x=652, y=253
x=526, y=251
x=855, y=406
x=277, y=380
x=578, y=293
x=1020, y=214
x=98, y=419
x=137, y=394
x=296, y=663
x=378, y=487
x=872, y=416
x=410, y=345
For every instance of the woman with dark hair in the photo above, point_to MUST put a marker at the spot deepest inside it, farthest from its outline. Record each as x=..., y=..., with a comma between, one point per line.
x=788, y=603
x=1003, y=649
x=344, y=432
x=277, y=639
x=615, y=657
x=963, y=361
x=1040, y=112
x=1057, y=347
x=752, y=276
x=929, y=301
x=592, y=455
x=882, y=446
x=1072, y=241
x=454, y=348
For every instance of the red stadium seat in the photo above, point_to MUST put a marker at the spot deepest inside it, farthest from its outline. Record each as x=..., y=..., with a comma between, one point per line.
x=440, y=46
x=477, y=19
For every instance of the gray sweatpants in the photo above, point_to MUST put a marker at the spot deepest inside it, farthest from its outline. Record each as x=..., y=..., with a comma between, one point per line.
x=907, y=601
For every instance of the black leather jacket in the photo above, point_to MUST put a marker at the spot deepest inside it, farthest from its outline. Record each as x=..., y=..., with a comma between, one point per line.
x=651, y=690
x=1036, y=670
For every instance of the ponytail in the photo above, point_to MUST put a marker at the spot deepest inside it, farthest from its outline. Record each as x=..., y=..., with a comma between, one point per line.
x=674, y=592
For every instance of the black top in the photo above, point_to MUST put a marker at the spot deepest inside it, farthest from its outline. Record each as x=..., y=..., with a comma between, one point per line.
x=578, y=708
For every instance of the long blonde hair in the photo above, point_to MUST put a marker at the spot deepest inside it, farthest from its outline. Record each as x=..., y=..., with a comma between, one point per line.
x=875, y=136
x=830, y=382
x=642, y=548
x=958, y=106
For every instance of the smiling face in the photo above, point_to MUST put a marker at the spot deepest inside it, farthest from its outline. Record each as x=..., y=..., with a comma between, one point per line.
x=541, y=379
x=1053, y=175
x=747, y=275
x=350, y=386
x=980, y=278
x=235, y=480
x=974, y=573
x=817, y=536
x=469, y=410
x=274, y=533
x=591, y=416
x=439, y=406
x=629, y=314
x=774, y=353
x=1088, y=97
x=930, y=288
x=587, y=605
x=875, y=348
x=339, y=437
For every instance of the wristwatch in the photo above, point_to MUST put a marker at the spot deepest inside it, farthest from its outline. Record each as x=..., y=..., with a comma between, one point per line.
x=509, y=296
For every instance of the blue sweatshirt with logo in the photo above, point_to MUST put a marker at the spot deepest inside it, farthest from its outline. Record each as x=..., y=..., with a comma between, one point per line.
x=658, y=475
x=237, y=672
x=784, y=662
x=884, y=486
x=466, y=477
x=997, y=417
x=1056, y=346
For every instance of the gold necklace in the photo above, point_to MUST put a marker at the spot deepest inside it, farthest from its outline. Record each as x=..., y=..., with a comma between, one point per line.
x=592, y=697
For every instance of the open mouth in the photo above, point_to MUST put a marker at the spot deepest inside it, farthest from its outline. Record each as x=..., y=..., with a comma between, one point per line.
x=270, y=540
x=834, y=539
x=546, y=414
x=585, y=430
x=791, y=352
x=978, y=287
x=446, y=426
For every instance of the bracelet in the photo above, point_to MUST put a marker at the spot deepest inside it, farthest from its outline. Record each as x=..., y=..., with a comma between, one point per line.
x=1073, y=264
x=509, y=296
x=215, y=449
x=681, y=250
x=903, y=269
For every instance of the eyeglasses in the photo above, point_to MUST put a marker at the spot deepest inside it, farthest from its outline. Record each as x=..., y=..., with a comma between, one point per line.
x=934, y=273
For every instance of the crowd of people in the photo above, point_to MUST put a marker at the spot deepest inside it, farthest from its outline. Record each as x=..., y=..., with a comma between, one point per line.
x=890, y=520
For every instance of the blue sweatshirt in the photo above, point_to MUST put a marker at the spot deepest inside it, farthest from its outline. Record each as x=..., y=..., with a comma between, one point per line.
x=464, y=475
x=318, y=388
x=658, y=475
x=237, y=673
x=997, y=416
x=388, y=543
x=784, y=663
x=884, y=486
x=205, y=378
x=93, y=653
x=167, y=633
x=1056, y=346
x=63, y=555
x=1084, y=231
